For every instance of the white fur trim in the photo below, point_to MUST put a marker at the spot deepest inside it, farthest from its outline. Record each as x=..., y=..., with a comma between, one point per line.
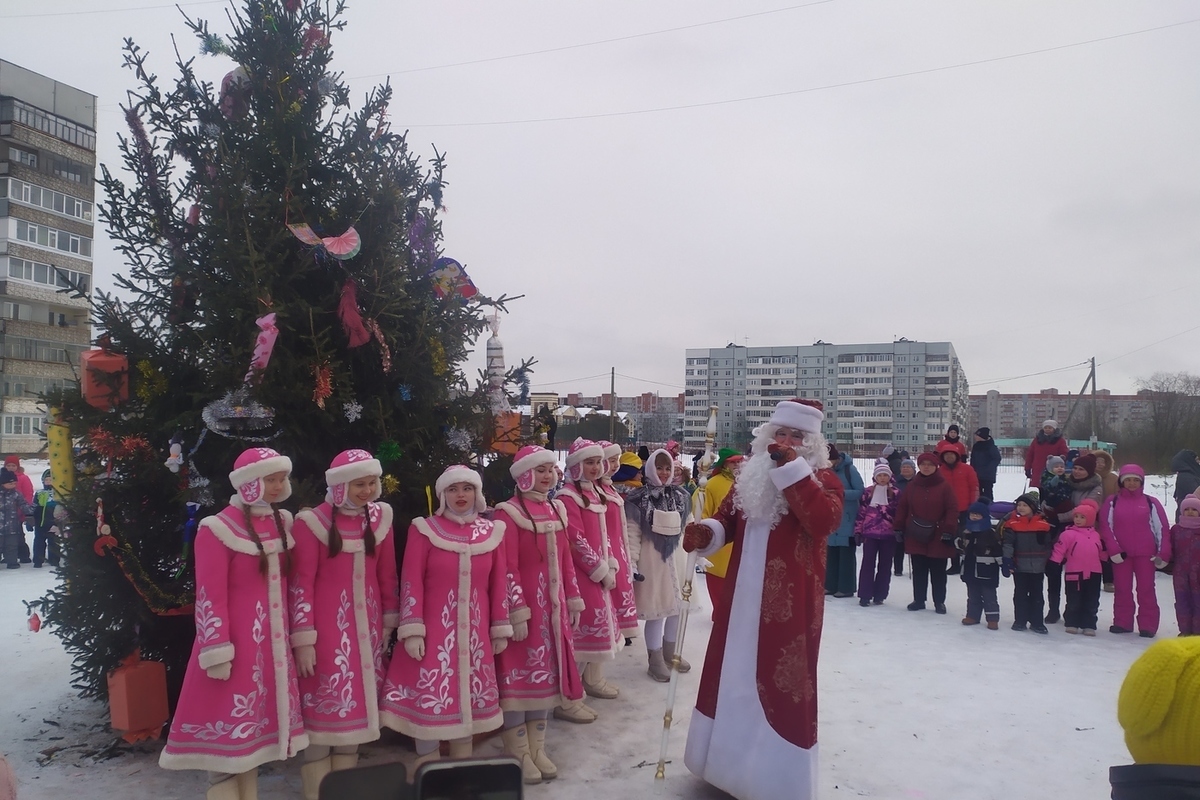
x=353, y=471
x=316, y=521
x=797, y=415
x=260, y=469
x=790, y=473
x=583, y=454
x=531, y=461
x=244, y=545
x=612, y=451
x=486, y=546
x=718, y=540
x=217, y=654
x=576, y=605
x=300, y=638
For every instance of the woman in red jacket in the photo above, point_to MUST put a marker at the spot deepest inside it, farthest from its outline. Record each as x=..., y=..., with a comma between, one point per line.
x=965, y=483
x=926, y=521
x=1048, y=442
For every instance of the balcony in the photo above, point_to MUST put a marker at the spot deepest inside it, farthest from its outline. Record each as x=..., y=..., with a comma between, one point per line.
x=79, y=335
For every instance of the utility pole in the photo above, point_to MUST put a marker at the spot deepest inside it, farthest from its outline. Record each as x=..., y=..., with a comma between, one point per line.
x=612, y=412
x=1094, y=439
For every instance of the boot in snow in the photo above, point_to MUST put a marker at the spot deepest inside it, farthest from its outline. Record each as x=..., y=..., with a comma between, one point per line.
x=536, y=731
x=658, y=668
x=669, y=657
x=516, y=744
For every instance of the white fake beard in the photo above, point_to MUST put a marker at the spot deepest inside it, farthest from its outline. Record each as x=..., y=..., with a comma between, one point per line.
x=754, y=491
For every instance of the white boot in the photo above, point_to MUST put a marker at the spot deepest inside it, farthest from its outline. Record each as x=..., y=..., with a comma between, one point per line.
x=462, y=748
x=343, y=760
x=225, y=790
x=311, y=774
x=247, y=784
x=516, y=744
x=536, y=731
x=595, y=685
x=575, y=712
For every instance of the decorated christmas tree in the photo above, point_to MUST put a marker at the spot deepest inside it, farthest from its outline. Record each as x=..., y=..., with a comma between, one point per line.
x=284, y=284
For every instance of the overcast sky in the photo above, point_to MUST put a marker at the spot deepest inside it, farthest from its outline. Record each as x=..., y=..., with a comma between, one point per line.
x=1020, y=178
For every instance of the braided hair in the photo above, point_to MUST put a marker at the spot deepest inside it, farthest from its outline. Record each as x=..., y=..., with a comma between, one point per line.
x=284, y=556
x=335, y=536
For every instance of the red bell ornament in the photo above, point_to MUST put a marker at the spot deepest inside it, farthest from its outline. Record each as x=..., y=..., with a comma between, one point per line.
x=105, y=378
x=137, y=698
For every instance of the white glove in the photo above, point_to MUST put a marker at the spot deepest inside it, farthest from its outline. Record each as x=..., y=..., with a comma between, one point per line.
x=520, y=631
x=220, y=672
x=415, y=647
x=498, y=646
x=575, y=617
x=608, y=581
x=306, y=660
x=1116, y=558
x=1159, y=563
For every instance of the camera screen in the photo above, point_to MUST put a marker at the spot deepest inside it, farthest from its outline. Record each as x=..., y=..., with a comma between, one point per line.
x=473, y=782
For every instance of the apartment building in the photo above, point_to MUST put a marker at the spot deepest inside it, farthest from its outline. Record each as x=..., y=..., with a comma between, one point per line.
x=47, y=176
x=903, y=392
x=1021, y=415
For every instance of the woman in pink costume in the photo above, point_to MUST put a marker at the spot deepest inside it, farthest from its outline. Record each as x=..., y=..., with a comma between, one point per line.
x=537, y=670
x=453, y=596
x=239, y=707
x=597, y=639
x=345, y=603
x=1138, y=540
x=623, y=598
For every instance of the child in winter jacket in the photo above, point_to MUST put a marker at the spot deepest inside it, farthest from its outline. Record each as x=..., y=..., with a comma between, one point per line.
x=1185, y=544
x=1080, y=552
x=1055, y=493
x=1137, y=537
x=982, y=553
x=873, y=530
x=12, y=514
x=1027, y=547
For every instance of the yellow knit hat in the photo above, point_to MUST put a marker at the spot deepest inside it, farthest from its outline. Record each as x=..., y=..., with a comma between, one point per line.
x=1159, y=704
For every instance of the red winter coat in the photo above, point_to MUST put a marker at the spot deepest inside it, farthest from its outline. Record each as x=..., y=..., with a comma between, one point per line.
x=1041, y=448
x=961, y=477
x=931, y=498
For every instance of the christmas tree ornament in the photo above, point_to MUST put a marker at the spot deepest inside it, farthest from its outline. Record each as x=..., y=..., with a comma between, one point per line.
x=390, y=484
x=404, y=393
x=104, y=538
x=385, y=352
x=175, y=459
x=451, y=280
x=264, y=345
x=189, y=536
x=35, y=620
x=234, y=88
x=437, y=357
x=322, y=383
x=104, y=378
x=238, y=416
x=388, y=452
x=353, y=411
x=137, y=698
x=352, y=321
x=458, y=439
x=342, y=247
x=314, y=37
x=212, y=44
x=152, y=383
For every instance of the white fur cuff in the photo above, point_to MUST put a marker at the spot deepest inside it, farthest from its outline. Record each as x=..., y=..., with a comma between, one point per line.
x=301, y=638
x=211, y=656
x=790, y=473
x=718, y=540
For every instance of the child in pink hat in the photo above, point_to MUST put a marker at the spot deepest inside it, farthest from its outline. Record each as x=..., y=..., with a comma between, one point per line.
x=240, y=707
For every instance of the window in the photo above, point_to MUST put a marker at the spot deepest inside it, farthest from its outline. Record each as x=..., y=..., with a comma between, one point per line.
x=23, y=157
x=52, y=237
x=13, y=110
x=23, y=424
x=22, y=386
x=37, y=272
x=49, y=200
x=22, y=311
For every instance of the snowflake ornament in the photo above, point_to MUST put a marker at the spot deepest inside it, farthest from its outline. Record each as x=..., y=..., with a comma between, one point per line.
x=458, y=439
x=353, y=411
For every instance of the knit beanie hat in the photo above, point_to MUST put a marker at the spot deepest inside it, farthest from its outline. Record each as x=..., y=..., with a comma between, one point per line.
x=927, y=458
x=1159, y=704
x=7, y=476
x=984, y=433
x=1030, y=499
x=524, y=462
x=348, y=466
x=1050, y=423
x=881, y=468
x=1088, y=462
x=459, y=473
x=1131, y=471
x=908, y=462
x=1191, y=523
x=251, y=467
x=1055, y=461
x=984, y=511
x=954, y=428
x=46, y=475
x=581, y=450
x=1088, y=512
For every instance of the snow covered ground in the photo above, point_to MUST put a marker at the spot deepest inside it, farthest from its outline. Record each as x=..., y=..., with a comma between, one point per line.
x=913, y=705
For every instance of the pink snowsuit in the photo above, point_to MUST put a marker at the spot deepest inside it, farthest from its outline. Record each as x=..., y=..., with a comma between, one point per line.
x=598, y=637
x=622, y=594
x=1134, y=524
x=539, y=672
x=232, y=726
x=453, y=592
x=1185, y=543
x=341, y=605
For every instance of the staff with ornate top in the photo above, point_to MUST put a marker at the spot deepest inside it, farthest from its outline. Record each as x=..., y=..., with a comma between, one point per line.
x=705, y=469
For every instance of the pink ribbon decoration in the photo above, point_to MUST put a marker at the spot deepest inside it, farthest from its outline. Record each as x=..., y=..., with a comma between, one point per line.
x=267, y=334
x=352, y=321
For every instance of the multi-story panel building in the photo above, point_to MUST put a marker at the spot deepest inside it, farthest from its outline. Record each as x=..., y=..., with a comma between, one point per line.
x=1020, y=416
x=47, y=171
x=905, y=393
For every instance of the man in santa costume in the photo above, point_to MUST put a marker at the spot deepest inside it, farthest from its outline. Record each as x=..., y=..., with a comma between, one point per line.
x=754, y=730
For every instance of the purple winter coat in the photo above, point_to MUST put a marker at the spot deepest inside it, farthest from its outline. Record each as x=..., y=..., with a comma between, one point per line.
x=1134, y=523
x=875, y=522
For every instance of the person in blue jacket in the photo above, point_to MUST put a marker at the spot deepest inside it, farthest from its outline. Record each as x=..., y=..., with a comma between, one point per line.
x=841, y=571
x=985, y=458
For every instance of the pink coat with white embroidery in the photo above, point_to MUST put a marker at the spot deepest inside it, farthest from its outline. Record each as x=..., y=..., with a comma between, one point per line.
x=252, y=718
x=341, y=605
x=539, y=672
x=624, y=602
x=598, y=636
x=454, y=593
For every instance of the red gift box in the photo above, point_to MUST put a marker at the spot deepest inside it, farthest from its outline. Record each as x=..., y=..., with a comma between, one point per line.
x=105, y=378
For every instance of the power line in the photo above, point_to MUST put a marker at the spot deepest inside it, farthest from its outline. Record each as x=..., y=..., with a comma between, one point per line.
x=645, y=380
x=1032, y=374
x=110, y=10
x=1143, y=347
x=571, y=380
x=592, y=43
x=806, y=90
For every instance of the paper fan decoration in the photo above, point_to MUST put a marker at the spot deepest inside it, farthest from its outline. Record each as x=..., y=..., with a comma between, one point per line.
x=342, y=247
x=449, y=278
